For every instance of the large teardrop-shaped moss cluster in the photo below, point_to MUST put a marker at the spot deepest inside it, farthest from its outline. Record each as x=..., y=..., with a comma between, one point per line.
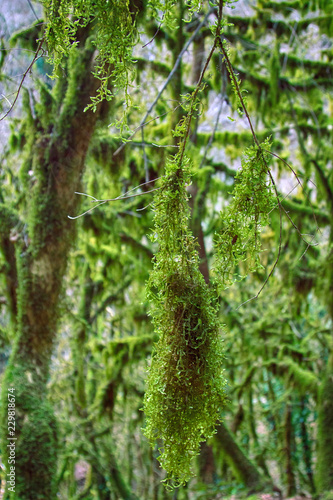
x=185, y=384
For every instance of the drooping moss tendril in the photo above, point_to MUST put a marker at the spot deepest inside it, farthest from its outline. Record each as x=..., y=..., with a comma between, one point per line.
x=185, y=391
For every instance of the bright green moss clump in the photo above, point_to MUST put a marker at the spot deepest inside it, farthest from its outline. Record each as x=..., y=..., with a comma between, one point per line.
x=185, y=384
x=253, y=200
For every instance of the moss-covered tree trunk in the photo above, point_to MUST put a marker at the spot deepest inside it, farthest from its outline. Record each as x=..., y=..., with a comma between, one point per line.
x=288, y=451
x=57, y=155
x=244, y=470
x=324, y=468
x=8, y=220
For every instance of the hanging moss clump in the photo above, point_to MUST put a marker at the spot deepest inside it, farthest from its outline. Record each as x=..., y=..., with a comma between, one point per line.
x=185, y=383
x=114, y=37
x=253, y=199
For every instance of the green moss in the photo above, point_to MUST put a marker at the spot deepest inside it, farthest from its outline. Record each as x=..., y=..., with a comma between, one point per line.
x=79, y=62
x=37, y=449
x=118, y=355
x=28, y=37
x=8, y=219
x=45, y=106
x=303, y=380
x=114, y=37
x=36, y=433
x=102, y=149
x=274, y=76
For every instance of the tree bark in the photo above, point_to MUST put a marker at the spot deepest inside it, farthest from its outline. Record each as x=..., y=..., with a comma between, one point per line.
x=8, y=221
x=207, y=468
x=306, y=445
x=324, y=469
x=57, y=159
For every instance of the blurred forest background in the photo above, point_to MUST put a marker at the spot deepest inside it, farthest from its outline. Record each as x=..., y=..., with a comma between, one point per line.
x=75, y=331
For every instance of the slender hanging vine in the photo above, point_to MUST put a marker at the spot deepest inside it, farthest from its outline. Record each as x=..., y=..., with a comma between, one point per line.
x=253, y=199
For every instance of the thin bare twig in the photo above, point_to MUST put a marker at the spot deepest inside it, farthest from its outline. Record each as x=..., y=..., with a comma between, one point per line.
x=308, y=246
x=238, y=90
x=4, y=97
x=299, y=232
x=33, y=10
x=199, y=83
x=143, y=125
x=39, y=48
x=239, y=93
x=286, y=196
x=211, y=138
x=87, y=212
x=143, y=208
x=99, y=203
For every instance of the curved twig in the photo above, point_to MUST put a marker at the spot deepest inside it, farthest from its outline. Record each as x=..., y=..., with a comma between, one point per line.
x=156, y=33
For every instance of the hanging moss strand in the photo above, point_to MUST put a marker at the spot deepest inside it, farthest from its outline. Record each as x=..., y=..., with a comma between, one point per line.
x=185, y=384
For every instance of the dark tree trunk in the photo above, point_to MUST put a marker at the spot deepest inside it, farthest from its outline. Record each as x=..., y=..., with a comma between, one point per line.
x=207, y=469
x=306, y=445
